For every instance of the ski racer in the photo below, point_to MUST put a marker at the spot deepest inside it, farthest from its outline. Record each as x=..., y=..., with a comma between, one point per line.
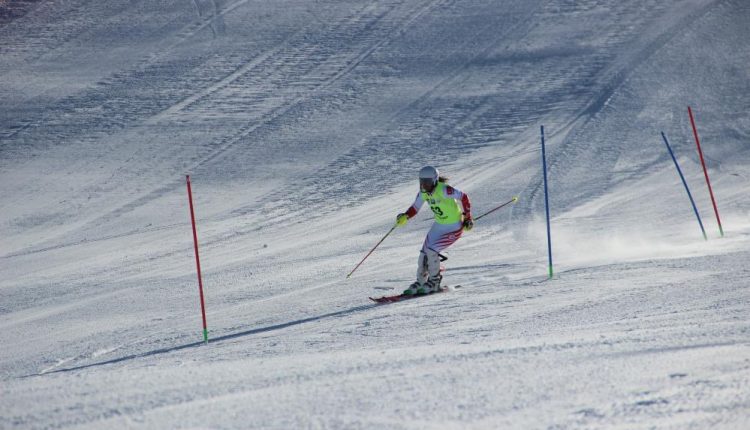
x=452, y=211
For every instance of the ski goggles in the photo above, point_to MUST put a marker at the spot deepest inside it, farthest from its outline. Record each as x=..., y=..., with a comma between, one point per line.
x=425, y=183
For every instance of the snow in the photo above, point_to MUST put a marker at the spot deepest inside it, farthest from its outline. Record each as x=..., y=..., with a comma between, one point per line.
x=303, y=125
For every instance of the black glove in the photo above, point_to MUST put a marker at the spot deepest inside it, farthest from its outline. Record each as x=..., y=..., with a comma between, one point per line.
x=468, y=223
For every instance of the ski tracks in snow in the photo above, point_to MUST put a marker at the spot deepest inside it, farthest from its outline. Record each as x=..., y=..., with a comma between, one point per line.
x=576, y=158
x=255, y=94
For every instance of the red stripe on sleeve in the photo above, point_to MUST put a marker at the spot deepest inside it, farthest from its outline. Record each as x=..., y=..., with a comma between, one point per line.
x=467, y=205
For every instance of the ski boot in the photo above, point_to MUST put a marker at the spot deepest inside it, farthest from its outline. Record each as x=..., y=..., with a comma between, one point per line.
x=431, y=286
x=413, y=289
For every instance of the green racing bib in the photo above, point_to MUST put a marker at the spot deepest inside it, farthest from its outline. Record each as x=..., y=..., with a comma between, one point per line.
x=445, y=207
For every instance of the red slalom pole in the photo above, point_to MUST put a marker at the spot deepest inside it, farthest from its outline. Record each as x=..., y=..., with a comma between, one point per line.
x=197, y=259
x=705, y=171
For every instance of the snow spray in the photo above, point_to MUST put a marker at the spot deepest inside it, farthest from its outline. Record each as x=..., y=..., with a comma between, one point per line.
x=197, y=260
x=546, y=204
x=684, y=182
x=705, y=171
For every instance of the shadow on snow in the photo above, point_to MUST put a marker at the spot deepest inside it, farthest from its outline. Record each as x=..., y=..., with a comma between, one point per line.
x=214, y=340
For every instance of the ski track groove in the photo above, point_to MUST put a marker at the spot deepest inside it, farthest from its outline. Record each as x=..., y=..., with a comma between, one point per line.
x=100, y=93
x=570, y=148
x=288, y=199
x=291, y=347
x=449, y=128
x=460, y=130
x=299, y=88
x=293, y=65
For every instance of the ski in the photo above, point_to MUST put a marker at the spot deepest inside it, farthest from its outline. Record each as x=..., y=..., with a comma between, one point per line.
x=401, y=297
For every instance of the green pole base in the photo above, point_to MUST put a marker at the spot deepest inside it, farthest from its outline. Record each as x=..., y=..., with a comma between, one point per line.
x=205, y=335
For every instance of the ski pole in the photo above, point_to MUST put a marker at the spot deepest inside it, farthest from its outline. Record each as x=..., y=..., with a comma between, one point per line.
x=372, y=250
x=513, y=200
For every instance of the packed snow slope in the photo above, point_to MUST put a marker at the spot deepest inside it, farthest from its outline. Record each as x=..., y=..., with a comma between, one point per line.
x=302, y=125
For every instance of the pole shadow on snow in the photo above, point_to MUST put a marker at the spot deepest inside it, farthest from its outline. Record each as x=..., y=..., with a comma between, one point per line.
x=214, y=340
x=484, y=267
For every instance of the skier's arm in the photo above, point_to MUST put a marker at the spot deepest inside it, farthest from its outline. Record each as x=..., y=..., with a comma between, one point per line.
x=468, y=222
x=463, y=198
x=415, y=207
x=467, y=205
x=403, y=218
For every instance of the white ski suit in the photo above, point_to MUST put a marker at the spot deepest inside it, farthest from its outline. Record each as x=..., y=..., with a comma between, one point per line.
x=450, y=207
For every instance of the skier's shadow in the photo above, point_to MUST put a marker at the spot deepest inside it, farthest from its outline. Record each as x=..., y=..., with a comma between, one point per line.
x=213, y=340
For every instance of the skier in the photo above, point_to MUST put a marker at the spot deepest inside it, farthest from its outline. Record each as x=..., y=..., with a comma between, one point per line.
x=450, y=222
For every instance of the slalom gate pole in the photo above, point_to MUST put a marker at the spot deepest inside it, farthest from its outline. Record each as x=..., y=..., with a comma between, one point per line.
x=197, y=260
x=546, y=204
x=513, y=200
x=372, y=250
x=684, y=182
x=705, y=171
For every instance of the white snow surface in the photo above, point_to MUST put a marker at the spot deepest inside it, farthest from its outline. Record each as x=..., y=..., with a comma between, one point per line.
x=303, y=125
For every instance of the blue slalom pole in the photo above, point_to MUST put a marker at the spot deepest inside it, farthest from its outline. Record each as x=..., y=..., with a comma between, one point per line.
x=684, y=182
x=546, y=204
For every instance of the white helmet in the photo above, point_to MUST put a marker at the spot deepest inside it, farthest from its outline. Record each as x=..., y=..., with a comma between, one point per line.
x=429, y=174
